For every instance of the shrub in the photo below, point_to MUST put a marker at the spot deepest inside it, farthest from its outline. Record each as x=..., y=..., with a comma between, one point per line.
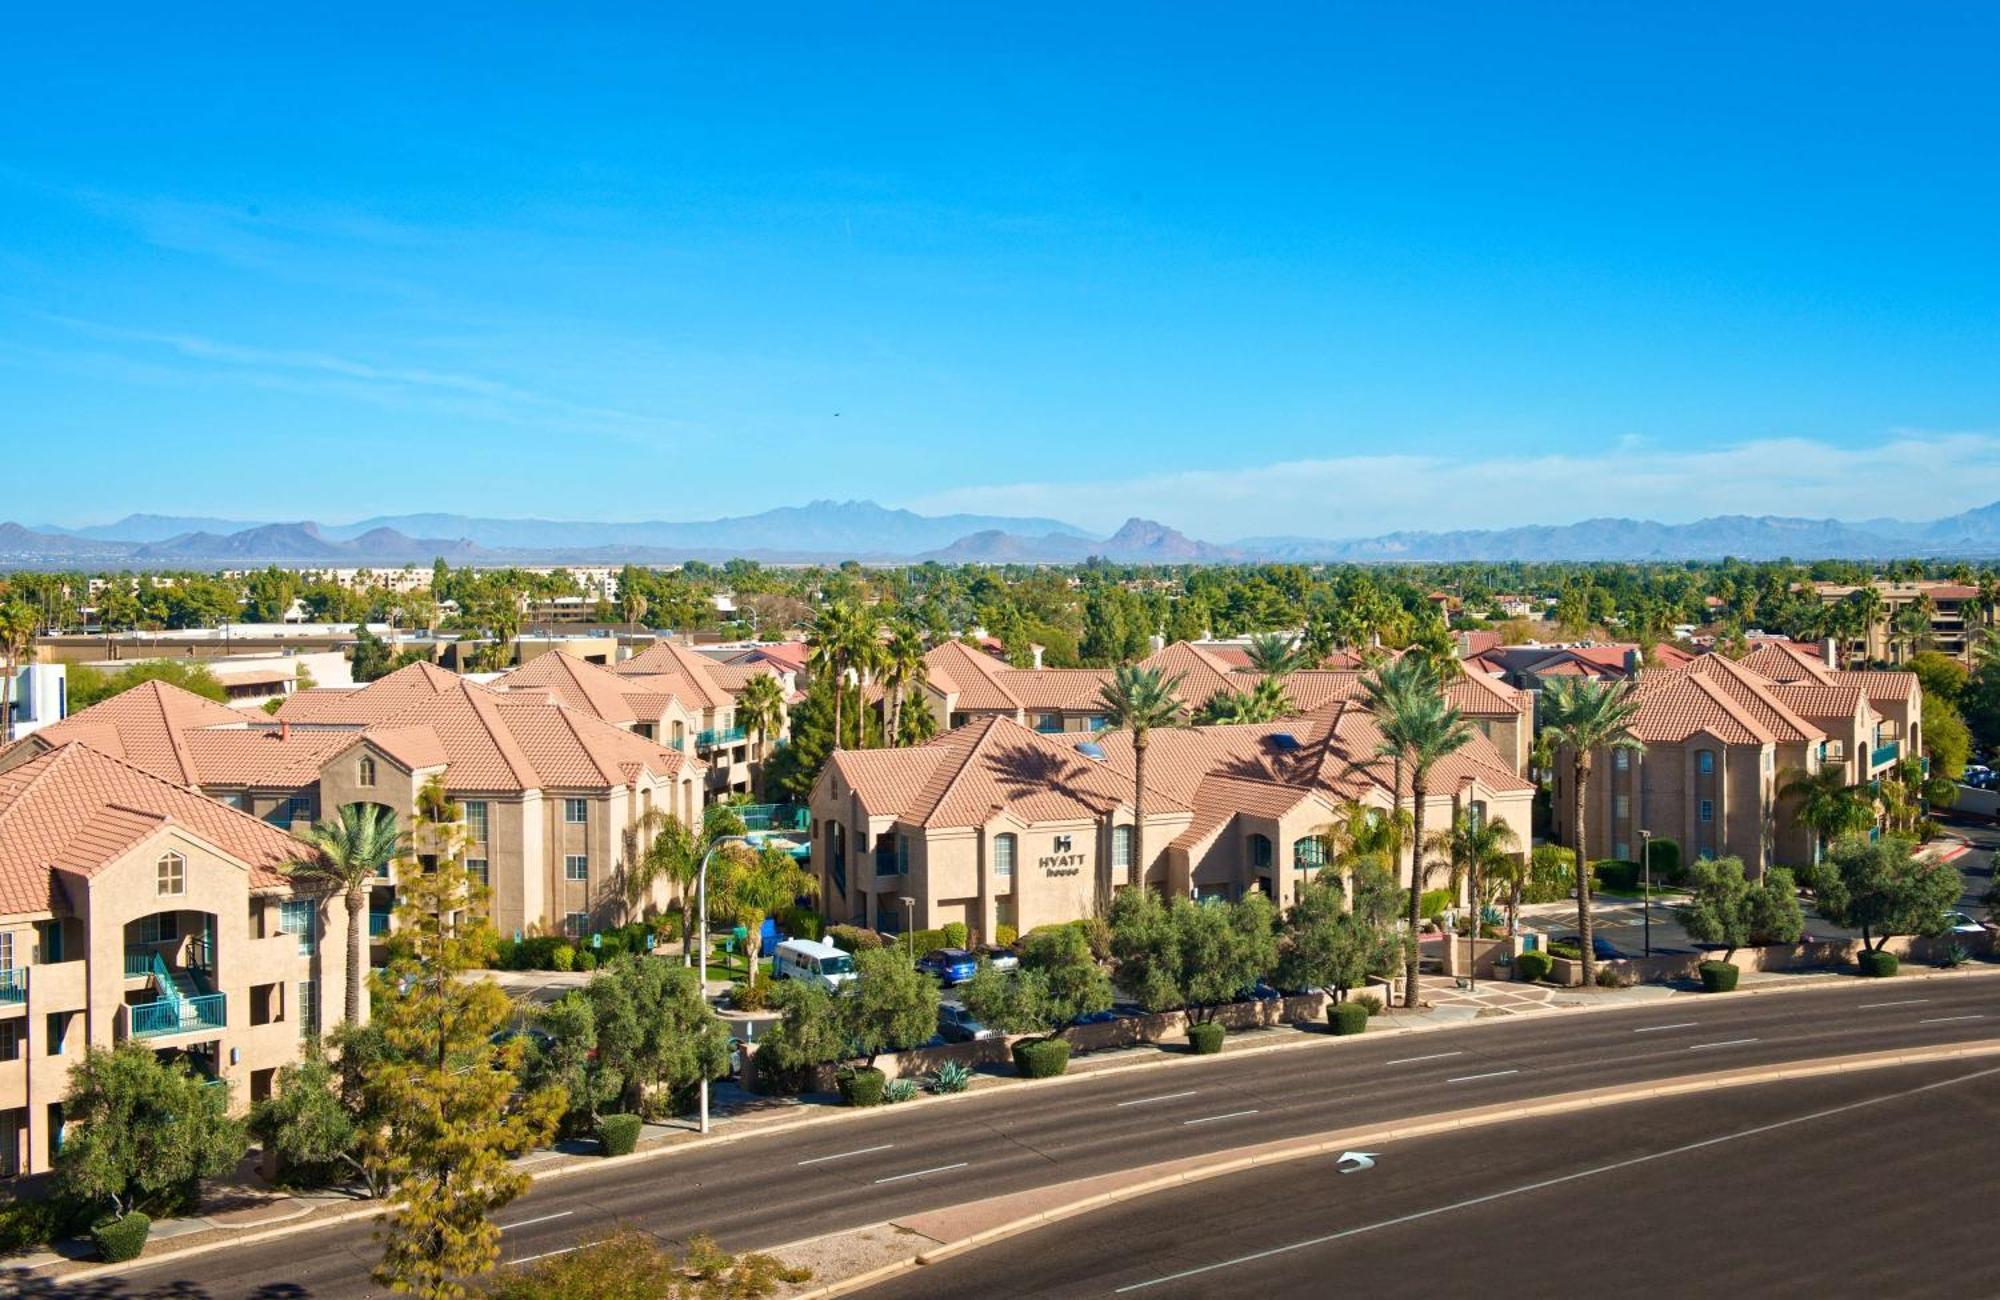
x=1718, y=977
x=586, y=960
x=950, y=1077
x=1666, y=861
x=618, y=1134
x=1434, y=903
x=899, y=1090
x=1566, y=951
x=801, y=923
x=1041, y=1058
x=750, y=997
x=563, y=958
x=1005, y=935
x=1954, y=957
x=852, y=938
x=861, y=1086
x=1617, y=874
x=1610, y=977
x=28, y=1223
x=955, y=934
x=121, y=1239
x=1206, y=1038
x=1877, y=964
x=1369, y=1000
x=1347, y=1017
x=1534, y=966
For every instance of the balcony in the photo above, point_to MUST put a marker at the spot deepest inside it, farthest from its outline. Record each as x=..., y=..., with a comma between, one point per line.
x=1884, y=754
x=378, y=924
x=13, y=986
x=716, y=737
x=178, y=1015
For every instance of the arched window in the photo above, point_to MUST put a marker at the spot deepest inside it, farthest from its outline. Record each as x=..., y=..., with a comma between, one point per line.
x=1260, y=851
x=364, y=773
x=1309, y=852
x=172, y=874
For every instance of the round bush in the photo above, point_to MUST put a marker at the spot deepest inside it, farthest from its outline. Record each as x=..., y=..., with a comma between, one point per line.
x=1004, y=935
x=955, y=934
x=1718, y=977
x=121, y=1239
x=750, y=997
x=1534, y=966
x=862, y=1087
x=1041, y=1058
x=563, y=958
x=1206, y=1038
x=586, y=960
x=1347, y=1017
x=618, y=1134
x=1877, y=964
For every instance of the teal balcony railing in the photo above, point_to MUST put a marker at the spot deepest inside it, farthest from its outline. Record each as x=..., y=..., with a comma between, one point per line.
x=139, y=962
x=715, y=737
x=1884, y=755
x=13, y=985
x=774, y=816
x=179, y=1015
x=378, y=924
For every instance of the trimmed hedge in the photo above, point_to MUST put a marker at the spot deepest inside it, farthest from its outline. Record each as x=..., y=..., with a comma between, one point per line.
x=852, y=938
x=1433, y=903
x=955, y=935
x=618, y=1134
x=862, y=1087
x=121, y=1239
x=1347, y=1018
x=1618, y=874
x=1666, y=862
x=1718, y=977
x=1877, y=964
x=1041, y=1058
x=1534, y=966
x=1206, y=1038
x=1004, y=935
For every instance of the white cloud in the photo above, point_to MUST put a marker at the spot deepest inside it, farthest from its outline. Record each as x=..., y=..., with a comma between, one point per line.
x=1908, y=474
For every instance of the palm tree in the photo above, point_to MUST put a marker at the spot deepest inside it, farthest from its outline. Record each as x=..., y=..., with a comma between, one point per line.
x=17, y=633
x=902, y=667
x=1476, y=848
x=829, y=646
x=1864, y=608
x=351, y=851
x=1141, y=701
x=1828, y=806
x=1358, y=833
x=753, y=886
x=1419, y=729
x=1584, y=716
x=761, y=708
x=674, y=854
x=1275, y=654
x=1264, y=702
x=1911, y=627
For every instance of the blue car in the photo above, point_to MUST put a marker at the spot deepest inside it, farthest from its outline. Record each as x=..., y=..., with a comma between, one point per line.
x=949, y=965
x=1602, y=948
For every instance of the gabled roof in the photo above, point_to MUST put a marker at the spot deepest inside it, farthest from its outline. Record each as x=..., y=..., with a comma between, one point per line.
x=972, y=675
x=585, y=686
x=1881, y=685
x=1686, y=704
x=1203, y=673
x=146, y=726
x=1786, y=661
x=77, y=809
x=697, y=685
x=376, y=701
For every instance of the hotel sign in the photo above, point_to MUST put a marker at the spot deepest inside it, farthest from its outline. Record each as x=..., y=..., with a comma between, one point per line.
x=1062, y=858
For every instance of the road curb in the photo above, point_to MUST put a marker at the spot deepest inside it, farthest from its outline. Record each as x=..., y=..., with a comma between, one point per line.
x=1329, y=1142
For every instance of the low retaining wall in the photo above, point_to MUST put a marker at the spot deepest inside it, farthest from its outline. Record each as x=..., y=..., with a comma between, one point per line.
x=1779, y=957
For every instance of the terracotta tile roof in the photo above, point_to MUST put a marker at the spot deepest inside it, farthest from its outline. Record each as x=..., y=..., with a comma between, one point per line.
x=1055, y=688
x=596, y=691
x=78, y=809
x=697, y=685
x=145, y=726
x=1751, y=690
x=1786, y=661
x=377, y=701
x=734, y=677
x=1882, y=685
x=262, y=757
x=958, y=669
x=1221, y=798
x=1810, y=699
x=1203, y=674
x=1681, y=706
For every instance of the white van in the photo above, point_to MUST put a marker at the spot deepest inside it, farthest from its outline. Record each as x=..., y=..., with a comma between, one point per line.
x=808, y=959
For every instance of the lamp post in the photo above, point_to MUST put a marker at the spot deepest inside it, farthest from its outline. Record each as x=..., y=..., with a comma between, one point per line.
x=1646, y=871
x=701, y=944
x=909, y=923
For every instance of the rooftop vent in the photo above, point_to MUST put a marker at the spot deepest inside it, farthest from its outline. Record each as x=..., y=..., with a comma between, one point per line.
x=1284, y=742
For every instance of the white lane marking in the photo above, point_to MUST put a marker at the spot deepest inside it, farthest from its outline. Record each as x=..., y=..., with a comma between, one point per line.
x=1412, y=1060
x=1906, y=1002
x=1210, y=1119
x=1727, y=1042
x=549, y=1254
x=546, y=1218
x=1551, y=1182
x=816, y=1160
x=1468, y=1078
x=919, y=1173
x=1654, y=1029
x=1938, y=1020
x=1166, y=1096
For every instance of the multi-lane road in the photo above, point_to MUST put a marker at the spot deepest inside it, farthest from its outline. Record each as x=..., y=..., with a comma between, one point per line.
x=862, y=1169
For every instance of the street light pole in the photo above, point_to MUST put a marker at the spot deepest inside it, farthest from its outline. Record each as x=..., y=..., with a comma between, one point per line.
x=1646, y=870
x=701, y=947
x=909, y=923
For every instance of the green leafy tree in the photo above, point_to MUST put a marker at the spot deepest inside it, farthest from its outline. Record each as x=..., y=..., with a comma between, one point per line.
x=370, y=656
x=350, y=852
x=1884, y=888
x=137, y=1129
x=1141, y=701
x=1827, y=806
x=890, y=1007
x=842, y=640
x=568, y=1060
x=1193, y=956
x=88, y=686
x=1325, y=944
x=18, y=622
x=674, y=854
x=810, y=1032
x=655, y=1034
x=311, y=1126
x=795, y=765
x=755, y=885
x=1730, y=909
x=1059, y=983
x=1583, y=716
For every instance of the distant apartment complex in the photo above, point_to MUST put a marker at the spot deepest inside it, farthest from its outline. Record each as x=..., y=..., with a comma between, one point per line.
x=1951, y=615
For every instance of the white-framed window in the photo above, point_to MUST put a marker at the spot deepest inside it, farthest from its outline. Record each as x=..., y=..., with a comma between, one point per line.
x=1621, y=759
x=1121, y=848
x=172, y=875
x=1003, y=856
x=1308, y=852
x=308, y=1008
x=576, y=811
x=6, y=950
x=364, y=771
x=297, y=916
x=576, y=866
x=1708, y=810
x=1621, y=806
x=475, y=820
x=476, y=868
x=574, y=923
x=1704, y=761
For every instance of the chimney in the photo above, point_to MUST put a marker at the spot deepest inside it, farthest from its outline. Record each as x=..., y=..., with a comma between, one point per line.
x=284, y=729
x=1634, y=661
x=1038, y=655
x=1157, y=641
x=1830, y=648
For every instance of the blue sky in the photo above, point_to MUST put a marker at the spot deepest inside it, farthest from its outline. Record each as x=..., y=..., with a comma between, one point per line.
x=1324, y=269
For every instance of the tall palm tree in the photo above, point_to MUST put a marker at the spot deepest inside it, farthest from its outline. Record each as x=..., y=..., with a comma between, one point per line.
x=669, y=849
x=17, y=633
x=1141, y=701
x=902, y=667
x=1911, y=626
x=1276, y=654
x=830, y=644
x=1864, y=606
x=1584, y=716
x=1419, y=729
x=760, y=707
x=1267, y=701
x=1828, y=806
x=351, y=851
x=753, y=886
x=1478, y=849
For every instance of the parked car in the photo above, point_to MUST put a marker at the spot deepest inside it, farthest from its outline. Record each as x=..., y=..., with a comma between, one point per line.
x=1601, y=947
x=949, y=965
x=1962, y=923
x=1259, y=992
x=956, y=1024
x=997, y=957
x=814, y=962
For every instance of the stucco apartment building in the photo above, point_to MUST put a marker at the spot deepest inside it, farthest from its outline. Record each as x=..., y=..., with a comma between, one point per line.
x=706, y=692
x=995, y=823
x=1723, y=737
x=1955, y=609
x=134, y=909
x=965, y=684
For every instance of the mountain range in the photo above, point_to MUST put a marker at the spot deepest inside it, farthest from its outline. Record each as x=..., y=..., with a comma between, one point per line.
x=831, y=531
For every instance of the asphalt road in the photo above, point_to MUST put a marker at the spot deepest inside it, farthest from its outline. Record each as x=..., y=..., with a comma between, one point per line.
x=763, y=1191
x=1864, y=1184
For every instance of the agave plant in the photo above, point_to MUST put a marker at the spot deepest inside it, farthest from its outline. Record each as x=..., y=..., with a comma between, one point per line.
x=949, y=1077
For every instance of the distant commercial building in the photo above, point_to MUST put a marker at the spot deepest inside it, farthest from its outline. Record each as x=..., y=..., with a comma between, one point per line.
x=1953, y=613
